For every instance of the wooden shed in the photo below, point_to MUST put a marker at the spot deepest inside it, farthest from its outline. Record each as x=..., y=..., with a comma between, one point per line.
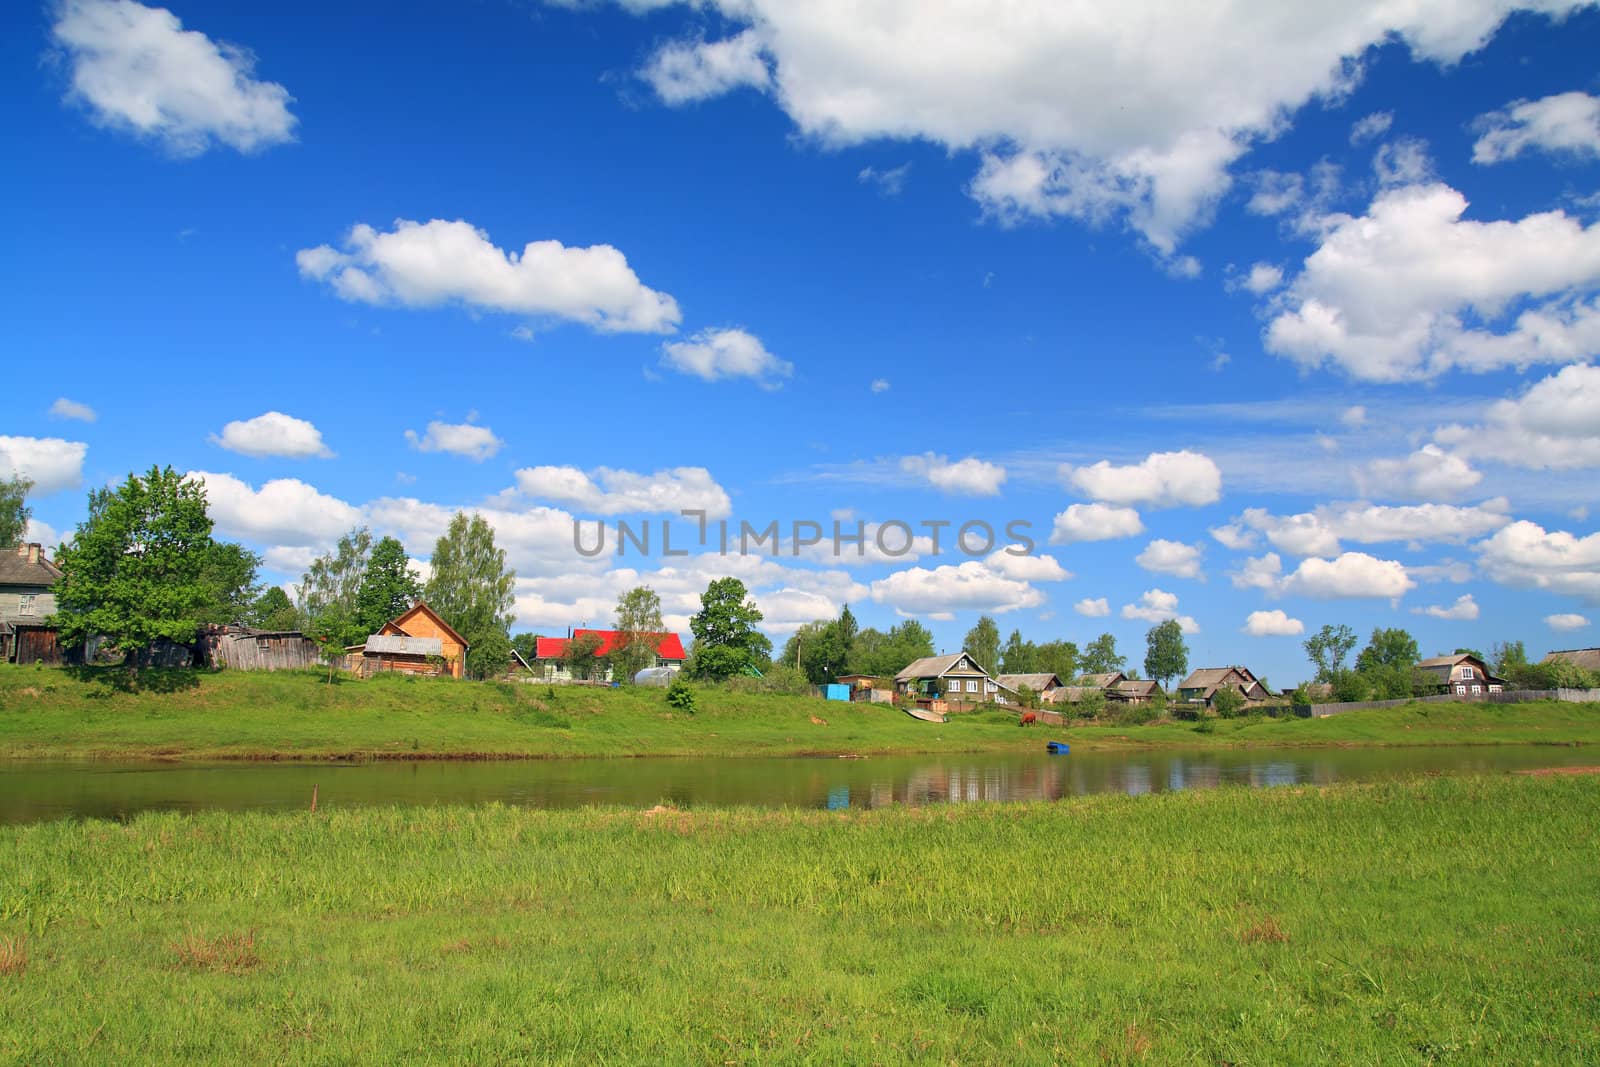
x=422, y=621
x=243, y=648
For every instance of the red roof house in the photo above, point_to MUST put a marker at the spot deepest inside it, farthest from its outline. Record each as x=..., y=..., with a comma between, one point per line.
x=549, y=652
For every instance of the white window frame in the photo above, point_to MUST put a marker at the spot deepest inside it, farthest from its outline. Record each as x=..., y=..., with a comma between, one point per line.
x=1460, y=688
x=972, y=685
x=25, y=603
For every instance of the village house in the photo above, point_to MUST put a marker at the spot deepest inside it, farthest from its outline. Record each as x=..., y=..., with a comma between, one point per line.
x=1587, y=658
x=1044, y=686
x=549, y=662
x=417, y=641
x=951, y=680
x=1463, y=674
x=1113, y=685
x=1202, y=685
x=27, y=579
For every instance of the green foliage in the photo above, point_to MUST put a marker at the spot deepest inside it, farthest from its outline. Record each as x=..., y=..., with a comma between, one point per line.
x=1227, y=702
x=1019, y=656
x=1392, y=682
x=778, y=679
x=1101, y=656
x=1166, y=654
x=638, y=618
x=273, y=610
x=388, y=587
x=329, y=592
x=471, y=589
x=135, y=570
x=229, y=576
x=14, y=510
x=983, y=644
x=1059, y=658
x=823, y=649
x=1510, y=659
x=680, y=695
x=1092, y=706
x=884, y=655
x=527, y=645
x=726, y=641
x=582, y=656
x=1471, y=652
x=1027, y=696
x=1349, y=686
x=1388, y=648
x=1327, y=649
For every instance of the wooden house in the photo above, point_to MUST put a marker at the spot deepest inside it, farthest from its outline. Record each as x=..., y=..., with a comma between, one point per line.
x=1463, y=674
x=954, y=679
x=417, y=641
x=1044, y=686
x=27, y=600
x=1114, y=686
x=550, y=654
x=1201, y=686
x=1587, y=658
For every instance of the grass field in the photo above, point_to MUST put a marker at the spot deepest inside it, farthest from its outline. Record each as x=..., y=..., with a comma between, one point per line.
x=298, y=715
x=1449, y=920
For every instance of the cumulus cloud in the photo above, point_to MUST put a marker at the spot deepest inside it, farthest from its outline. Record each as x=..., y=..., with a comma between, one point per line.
x=50, y=463
x=880, y=385
x=725, y=353
x=1093, y=607
x=135, y=68
x=1464, y=609
x=71, y=409
x=683, y=72
x=1566, y=621
x=1274, y=623
x=428, y=264
x=1402, y=162
x=1028, y=568
x=1235, y=536
x=1352, y=575
x=970, y=476
x=1161, y=479
x=1319, y=532
x=608, y=491
x=1527, y=556
x=1555, y=425
x=1263, y=278
x=1371, y=127
x=1157, y=605
x=1429, y=473
x=1259, y=572
x=1412, y=289
x=1095, y=522
x=1562, y=124
x=284, y=511
x=1354, y=417
x=969, y=586
x=1170, y=557
x=467, y=439
x=273, y=434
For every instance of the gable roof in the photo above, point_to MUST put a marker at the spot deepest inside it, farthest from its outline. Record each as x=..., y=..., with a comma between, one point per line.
x=1587, y=658
x=1137, y=687
x=666, y=645
x=1103, y=680
x=1435, y=662
x=15, y=569
x=1211, y=677
x=398, y=622
x=935, y=666
x=1037, y=682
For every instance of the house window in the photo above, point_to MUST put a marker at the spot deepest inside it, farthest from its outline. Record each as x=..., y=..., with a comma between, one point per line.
x=972, y=685
x=1477, y=689
x=1461, y=689
x=25, y=604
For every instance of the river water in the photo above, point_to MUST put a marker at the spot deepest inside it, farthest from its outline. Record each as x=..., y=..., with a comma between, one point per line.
x=32, y=791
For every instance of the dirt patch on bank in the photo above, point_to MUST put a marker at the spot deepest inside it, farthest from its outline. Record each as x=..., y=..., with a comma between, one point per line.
x=1551, y=772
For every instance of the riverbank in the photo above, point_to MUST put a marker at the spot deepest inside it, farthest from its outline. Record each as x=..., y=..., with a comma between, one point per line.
x=1407, y=922
x=298, y=715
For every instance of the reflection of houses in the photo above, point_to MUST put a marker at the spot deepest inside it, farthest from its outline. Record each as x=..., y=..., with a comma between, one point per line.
x=26, y=604
x=1462, y=673
x=941, y=682
x=415, y=642
x=1044, y=686
x=549, y=662
x=1201, y=686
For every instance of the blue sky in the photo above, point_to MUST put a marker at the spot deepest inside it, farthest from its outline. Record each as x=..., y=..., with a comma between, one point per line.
x=1261, y=319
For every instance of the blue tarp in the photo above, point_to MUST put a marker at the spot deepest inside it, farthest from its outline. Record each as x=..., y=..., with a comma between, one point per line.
x=836, y=691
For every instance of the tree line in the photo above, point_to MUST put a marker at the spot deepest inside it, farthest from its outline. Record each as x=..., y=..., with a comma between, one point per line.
x=1386, y=669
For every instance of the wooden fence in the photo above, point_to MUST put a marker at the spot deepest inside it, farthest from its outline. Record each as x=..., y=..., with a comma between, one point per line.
x=1516, y=696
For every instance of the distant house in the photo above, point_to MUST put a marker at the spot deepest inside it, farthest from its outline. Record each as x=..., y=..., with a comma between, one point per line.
x=1114, y=685
x=549, y=661
x=27, y=600
x=417, y=641
x=1044, y=686
x=1587, y=658
x=1462, y=673
x=952, y=679
x=1134, y=690
x=1202, y=685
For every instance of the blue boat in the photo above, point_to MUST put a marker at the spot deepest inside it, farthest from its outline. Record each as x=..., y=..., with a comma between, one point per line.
x=1057, y=748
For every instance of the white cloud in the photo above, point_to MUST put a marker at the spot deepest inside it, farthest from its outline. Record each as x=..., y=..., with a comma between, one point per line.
x=427, y=264
x=273, y=434
x=1156, y=605
x=1429, y=473
x=51, y=463
x=1161, y=479
x=1527, y=556
x=136, y=68
x=1319, y=532
x=1464, y=609
x=1170, y=557
x=1028, y=568
x=284, y=511
x=1274, y=623
x=880, y=385
x=1351, y=575
x=970, y=476
x=890, y=182
x=474, y=442
x=1446, y=570
x=1354, y=417
x=1371, y=127
x=1566, y=621
x=1565, y=123
x=725, y=353
x=43, y=534
x=1095, y=522
x=1093, y=607
x=1412, y=289
x=1402, y=162
x=1027, y=85
x=71, y=409
x=682, y=72
x=607, y=491
x=969, y=586
x=1259, y=572
x=1275, y=192
x=1234, y=536
x=1555, y=425
x=1263, y=278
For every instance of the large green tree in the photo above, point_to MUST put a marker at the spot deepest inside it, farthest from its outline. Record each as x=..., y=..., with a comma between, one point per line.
x=1019, y=656
x=1388, y=647
x=983, y=643
x=388, y=586
x=640, y=626
x=1327, y=649
x=14, y=510
x=228, y=572
x=726, y=641
x=1101, y=656
x=1166, y=655
x=884, y=655
x=471, y=589
x=527, y=645
x=329, y=593
x=1059, y=658
x=273, y=610
x=135, y=570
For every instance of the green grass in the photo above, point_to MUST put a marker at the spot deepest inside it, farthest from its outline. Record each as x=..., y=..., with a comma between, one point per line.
x=1449, y=920
x=298, y=715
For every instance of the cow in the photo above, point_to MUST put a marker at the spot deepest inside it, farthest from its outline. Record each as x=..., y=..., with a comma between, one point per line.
x=1028, y=719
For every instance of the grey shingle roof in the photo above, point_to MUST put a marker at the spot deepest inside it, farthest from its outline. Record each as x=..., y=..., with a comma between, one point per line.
x=405, y=646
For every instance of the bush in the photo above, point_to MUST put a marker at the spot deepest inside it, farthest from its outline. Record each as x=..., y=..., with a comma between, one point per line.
x=1091, y=706
x=1350, y=687
x=1132, y=714
x=680, y=695
x=1227, y=702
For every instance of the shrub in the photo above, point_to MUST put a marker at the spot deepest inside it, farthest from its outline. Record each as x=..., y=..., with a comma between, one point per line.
x=1227, y=702
x=1350, y=686
x=1091, y=706
x=680, y=695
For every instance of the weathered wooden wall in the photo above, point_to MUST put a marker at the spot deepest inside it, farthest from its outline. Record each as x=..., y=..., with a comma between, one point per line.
x=258, y=652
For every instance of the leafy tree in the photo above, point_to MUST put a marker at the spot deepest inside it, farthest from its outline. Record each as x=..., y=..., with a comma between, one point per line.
x=1327, y=649
x=639, y=623
x=527, y=645
x=1093, y=704
x=471, y=589
x=983, y=643
x=135, y=570
x=582, y=656
x=726, y=641
x=1510, y=659
x=1059, y=658
x=1388, y=648
x=884, y=655
x=1350, y=686
x=14, y=510
x=228, y=572
x=1166, y=655
x=328, y=594
x=1019, y=656
x=273, y=610
x=1101, y=657
x=1227, y=702
x=388, y=587
x=680, y=695
x=1471, y=652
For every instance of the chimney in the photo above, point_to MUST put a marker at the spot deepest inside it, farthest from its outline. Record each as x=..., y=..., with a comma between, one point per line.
x=33, y=552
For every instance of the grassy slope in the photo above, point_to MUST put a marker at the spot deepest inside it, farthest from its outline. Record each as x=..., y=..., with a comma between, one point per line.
x=298, y=715
x=1434, y=920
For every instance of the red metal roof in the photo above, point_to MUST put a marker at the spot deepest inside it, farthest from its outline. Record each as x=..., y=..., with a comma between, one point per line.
x=667, y=646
